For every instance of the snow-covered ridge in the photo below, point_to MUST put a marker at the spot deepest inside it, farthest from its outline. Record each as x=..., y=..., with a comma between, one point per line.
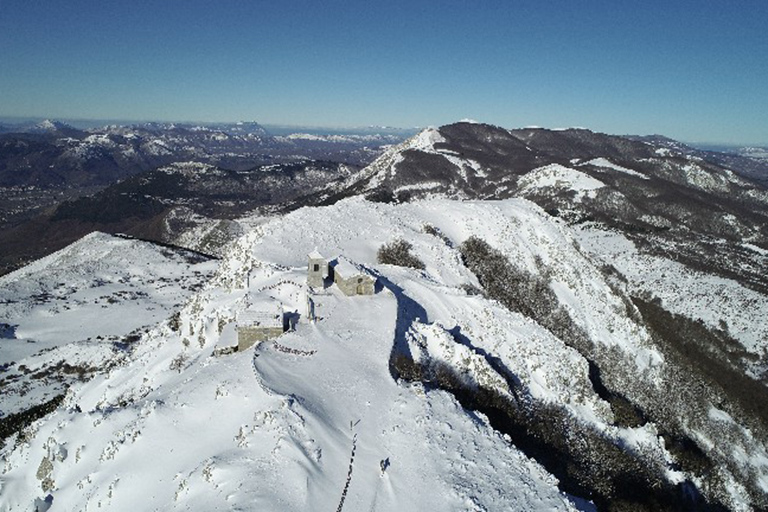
x=607, y=164
x=426, y=140
x=384, y=168
x=276, y=431
x=562, y=178
x=339, y=138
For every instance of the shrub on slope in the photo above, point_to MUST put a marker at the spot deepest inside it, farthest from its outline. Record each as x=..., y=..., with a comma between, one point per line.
x=398, y=253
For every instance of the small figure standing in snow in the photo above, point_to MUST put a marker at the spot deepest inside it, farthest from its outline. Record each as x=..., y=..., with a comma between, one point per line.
x=311, y=309
x=383, y=465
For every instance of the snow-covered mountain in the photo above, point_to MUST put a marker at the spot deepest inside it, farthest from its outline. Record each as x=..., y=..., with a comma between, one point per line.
x=41, y=169
x=474, y=160
x=675, y=204
x=191, y=204
x=750, y=162
x=52, y=153
x=571, y=321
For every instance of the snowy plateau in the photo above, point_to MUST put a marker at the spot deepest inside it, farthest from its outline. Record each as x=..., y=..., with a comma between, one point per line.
x=433, y=393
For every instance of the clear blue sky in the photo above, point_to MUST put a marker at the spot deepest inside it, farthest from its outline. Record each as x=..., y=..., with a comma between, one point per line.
x=693, y=70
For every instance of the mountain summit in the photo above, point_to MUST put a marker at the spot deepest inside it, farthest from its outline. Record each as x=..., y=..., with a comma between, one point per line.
x=559, y=320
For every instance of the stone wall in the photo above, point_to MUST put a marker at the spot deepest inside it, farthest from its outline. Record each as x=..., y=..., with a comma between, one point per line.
x=353, y=285
x=368, y=287
x=249, y=336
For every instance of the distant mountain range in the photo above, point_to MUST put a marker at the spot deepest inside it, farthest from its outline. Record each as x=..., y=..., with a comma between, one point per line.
x=54, y=154
x=43, y=163
x=466, y=160
x=163, y=203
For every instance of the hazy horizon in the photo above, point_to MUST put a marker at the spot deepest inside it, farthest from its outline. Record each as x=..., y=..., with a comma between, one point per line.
x=288, y=128
x=686, y=69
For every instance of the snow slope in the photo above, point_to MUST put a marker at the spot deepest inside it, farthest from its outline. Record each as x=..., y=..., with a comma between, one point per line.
x=79, y=304
x=100, y=285
x=314, y=420
x=604, y=163
x=695, y=294
x=560, y=177
x=385, y=166
x=279, y=427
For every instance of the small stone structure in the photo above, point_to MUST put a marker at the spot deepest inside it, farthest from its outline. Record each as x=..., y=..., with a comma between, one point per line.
x=260, y=322
x=317, y=270
x=352, y=279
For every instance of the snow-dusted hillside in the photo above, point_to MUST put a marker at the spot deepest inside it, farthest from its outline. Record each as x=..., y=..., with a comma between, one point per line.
x=560, y=177
x=72, y=313
x=316, y=420
x=758, y=153
x=710, y=298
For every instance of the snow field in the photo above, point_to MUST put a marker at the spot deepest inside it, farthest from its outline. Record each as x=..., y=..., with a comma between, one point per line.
x=100, y=285
x=313, y=420
x=77, y=307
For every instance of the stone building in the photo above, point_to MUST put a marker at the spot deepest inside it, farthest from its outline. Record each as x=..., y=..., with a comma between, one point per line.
x=352, y=279
x=260, y=322
x=317, y=270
